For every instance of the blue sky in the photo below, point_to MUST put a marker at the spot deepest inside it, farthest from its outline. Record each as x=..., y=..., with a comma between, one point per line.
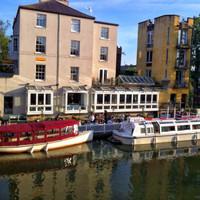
x=126, y=13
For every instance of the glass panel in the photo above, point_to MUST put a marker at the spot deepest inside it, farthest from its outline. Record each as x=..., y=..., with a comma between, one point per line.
x=107, y=98
x=48, y=99
x=114, y=99
x=48, y=108
x=155, y=98
x=32, y=108
x=135, y=98
x=33, y=99
x=142, y=100
x=40, y=99
x=99, y=99
x=149, y=98
x=128, y=98
x=122, y=98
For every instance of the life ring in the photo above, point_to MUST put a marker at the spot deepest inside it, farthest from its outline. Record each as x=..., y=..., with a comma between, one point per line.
x=174, y=140
x=194, y=139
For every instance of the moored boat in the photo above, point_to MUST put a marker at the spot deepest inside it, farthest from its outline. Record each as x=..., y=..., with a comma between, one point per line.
x=155, y=131
x=41, y=136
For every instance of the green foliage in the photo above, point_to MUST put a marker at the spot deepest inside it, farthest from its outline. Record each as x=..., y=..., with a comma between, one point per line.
x=4, y=40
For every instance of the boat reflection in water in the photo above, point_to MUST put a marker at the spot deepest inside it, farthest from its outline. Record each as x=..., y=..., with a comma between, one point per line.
x=100, y=170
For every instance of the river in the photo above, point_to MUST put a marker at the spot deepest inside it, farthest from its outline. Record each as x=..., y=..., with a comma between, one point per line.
x=101, y=170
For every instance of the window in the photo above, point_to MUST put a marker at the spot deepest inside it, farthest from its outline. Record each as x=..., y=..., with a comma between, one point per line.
x=15, y=44
x=135, y=98
x=181, y=57
x=41, y=44
x=149, y=38
x=99, y=99
x=104, y=53
x=128, y=98
x=75, y=74
x=142, y=100
x=184, y=37
x=148, y=98
x=8, y=104
x=168, y=34
x=183, y=127
x=75, y=48
x=122, y=99
x=149, y=56
x=154, y=98
x=148, y=72
x=167, y=51
x=114, y=99
x=75, y=25
x=41, y=20
x=40, y=72
x=168, y=128
x=107, y=98
x=40, y=102
x=104, y=33
x=103, y=75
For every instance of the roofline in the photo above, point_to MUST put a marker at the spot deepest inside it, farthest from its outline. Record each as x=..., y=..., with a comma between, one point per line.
x=144, y=21
x=35, y=9
x=169, y=15
x=106, y=23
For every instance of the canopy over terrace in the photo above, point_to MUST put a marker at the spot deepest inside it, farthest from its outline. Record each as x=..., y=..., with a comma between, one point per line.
x=36, y=126
x=136, y=80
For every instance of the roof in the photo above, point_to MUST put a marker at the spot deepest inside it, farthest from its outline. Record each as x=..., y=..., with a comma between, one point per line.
x=106, y=23
x=37, y=126
x=120, y=88
x=34, y=87
x=136, y=80
x=75, y=88
x=53, y=6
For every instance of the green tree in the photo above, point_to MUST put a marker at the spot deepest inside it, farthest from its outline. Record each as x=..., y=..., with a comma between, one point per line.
x=4, y=40
x=195, y=63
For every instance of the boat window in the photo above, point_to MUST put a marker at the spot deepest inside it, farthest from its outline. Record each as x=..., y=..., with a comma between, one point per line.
x=183, y=127
x=142, y=130
x=148, y=130
x=168, y=128
x=196, y=126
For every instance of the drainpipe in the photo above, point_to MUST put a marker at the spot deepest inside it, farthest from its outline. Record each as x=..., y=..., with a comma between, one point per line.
x=57, y=61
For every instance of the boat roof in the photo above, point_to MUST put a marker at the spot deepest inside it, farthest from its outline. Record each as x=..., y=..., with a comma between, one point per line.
x=37, y=126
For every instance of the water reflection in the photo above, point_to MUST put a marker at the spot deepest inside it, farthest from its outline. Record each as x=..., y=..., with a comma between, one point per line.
x=100, y=170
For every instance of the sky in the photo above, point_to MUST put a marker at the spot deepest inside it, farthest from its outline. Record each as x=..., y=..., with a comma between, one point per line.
x=126, y=13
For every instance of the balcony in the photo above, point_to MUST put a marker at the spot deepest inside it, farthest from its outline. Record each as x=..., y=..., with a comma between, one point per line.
x=181, y=66
x=179, y=85
x=165, y=82
x=109, y=81
x=183, y=45
x=150, y=45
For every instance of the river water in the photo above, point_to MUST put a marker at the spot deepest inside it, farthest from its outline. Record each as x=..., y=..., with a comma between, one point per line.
x=101, y=170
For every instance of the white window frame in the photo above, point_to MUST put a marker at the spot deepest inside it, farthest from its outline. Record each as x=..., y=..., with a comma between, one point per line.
x=104, y=54
x=75, y=25
x=103, y=75
x=40, y=72
x=39, y=109
x=41, y=20
x=104, y=33
x=40, y=44
x=75, y=48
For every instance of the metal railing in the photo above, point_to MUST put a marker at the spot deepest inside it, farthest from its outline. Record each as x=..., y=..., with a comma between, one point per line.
x=99, y=128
